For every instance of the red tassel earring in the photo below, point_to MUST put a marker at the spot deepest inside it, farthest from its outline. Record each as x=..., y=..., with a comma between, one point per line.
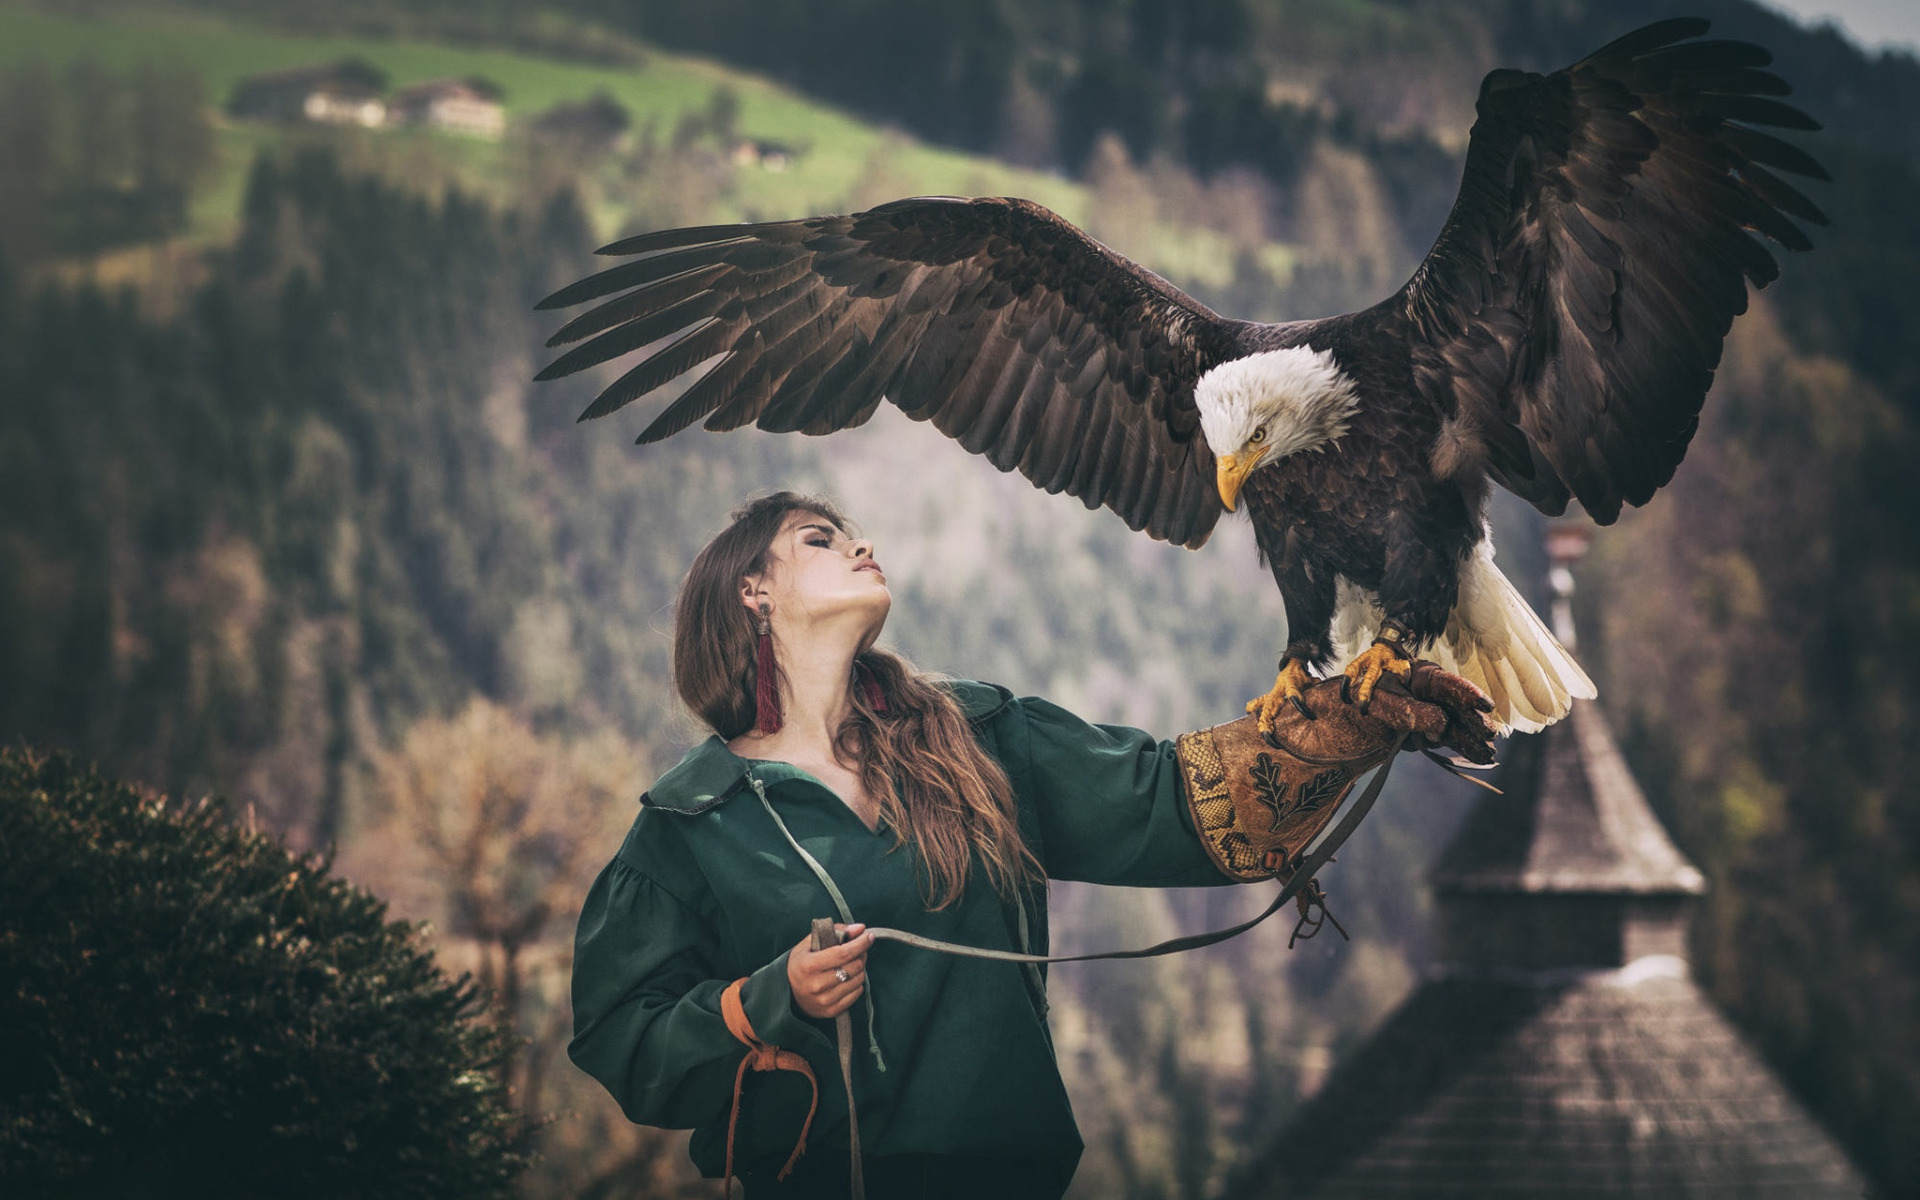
x=869, y=687
x=766, y=687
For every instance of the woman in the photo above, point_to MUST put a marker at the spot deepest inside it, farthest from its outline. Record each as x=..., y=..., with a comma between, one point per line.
x=839, y=782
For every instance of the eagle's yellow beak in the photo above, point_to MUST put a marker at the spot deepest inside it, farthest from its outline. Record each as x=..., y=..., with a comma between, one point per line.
x=1232, y=473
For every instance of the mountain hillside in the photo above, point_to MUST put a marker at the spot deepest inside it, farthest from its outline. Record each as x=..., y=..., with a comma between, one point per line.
x=282, y=516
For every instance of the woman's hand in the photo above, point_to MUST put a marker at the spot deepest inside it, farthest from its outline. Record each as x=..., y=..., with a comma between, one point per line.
x=826, y=982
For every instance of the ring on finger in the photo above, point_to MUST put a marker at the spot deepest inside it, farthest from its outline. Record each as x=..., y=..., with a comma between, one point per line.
x=840, y=973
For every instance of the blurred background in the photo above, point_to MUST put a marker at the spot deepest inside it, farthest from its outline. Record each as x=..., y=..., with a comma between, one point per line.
x=282, y=517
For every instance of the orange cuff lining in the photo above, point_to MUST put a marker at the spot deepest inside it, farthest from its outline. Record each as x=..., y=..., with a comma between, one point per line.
x=761, y=1056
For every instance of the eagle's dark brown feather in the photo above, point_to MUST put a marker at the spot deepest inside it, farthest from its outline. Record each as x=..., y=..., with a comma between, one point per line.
x=1558, y=339
x=1599, y=250
x=1012, y=331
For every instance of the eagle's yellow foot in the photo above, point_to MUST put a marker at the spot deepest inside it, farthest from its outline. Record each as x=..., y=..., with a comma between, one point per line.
x=1365, y=671
x=1287, y=686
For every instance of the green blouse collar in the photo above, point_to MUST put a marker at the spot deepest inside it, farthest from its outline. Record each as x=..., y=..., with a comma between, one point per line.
x=706, y=778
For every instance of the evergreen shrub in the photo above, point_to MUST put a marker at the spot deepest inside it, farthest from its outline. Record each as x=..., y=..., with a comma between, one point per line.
x=186, y=1008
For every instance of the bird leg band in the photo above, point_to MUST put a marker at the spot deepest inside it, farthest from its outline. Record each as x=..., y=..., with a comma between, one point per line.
x=1394, y=636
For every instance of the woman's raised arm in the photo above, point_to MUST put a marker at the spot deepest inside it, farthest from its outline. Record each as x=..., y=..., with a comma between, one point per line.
x=1109, y=799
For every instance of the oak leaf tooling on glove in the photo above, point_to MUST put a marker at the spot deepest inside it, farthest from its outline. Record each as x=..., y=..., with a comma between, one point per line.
x=1258, y=800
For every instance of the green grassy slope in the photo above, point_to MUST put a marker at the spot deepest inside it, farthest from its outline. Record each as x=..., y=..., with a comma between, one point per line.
x=844, y=161
x=665, y=87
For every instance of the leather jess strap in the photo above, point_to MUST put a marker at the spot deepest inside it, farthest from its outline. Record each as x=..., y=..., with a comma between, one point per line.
x=1317, y=854
x=761, y=1056
x=1297, y=876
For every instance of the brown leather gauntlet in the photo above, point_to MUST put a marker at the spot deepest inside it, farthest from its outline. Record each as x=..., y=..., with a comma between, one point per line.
x=1258, y=801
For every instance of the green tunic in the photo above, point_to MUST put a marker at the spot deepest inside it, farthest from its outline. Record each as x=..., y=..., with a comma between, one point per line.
x=954, y=1054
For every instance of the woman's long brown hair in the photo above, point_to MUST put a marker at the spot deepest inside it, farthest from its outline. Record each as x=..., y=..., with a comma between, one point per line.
x=935, y=787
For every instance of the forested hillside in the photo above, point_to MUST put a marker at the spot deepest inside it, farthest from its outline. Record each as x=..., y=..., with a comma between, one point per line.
x=288, y=521
x=284, y=518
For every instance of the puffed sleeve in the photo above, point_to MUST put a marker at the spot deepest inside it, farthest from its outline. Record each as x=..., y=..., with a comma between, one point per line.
x=646, y=1004
x=1109, y=799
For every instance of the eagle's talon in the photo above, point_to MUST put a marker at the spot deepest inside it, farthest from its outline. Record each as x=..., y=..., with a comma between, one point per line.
x=1287, y=686
x=1363, y=674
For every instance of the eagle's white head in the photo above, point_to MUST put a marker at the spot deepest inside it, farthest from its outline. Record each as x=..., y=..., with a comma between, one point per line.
x=1265, y=406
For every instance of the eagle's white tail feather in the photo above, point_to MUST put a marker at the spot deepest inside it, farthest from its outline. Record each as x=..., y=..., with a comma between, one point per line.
x=1493, y=639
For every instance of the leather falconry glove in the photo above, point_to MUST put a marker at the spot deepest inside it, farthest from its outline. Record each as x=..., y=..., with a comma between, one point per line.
x=1468, y=733
x=1259, y=800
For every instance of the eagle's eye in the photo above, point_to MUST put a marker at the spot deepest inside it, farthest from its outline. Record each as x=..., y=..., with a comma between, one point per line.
x=1259, y=435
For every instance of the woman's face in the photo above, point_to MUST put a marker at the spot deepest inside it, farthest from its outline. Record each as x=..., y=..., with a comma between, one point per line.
x=817, y=576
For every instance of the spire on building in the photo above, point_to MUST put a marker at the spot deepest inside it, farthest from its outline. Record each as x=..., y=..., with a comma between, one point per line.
x=1559, y=1047
x=1568, y=867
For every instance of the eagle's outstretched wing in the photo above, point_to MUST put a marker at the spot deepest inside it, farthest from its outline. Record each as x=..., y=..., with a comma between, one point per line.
x=1571, y=315
x=1012, y=331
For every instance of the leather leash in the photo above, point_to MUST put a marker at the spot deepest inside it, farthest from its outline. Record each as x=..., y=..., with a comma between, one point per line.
x=1318, y=854
x=825, y=935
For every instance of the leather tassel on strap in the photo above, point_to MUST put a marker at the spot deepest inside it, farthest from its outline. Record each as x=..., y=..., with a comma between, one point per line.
x=761, y=1056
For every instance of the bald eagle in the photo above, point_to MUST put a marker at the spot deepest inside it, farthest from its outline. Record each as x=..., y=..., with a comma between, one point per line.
x=1558, y=341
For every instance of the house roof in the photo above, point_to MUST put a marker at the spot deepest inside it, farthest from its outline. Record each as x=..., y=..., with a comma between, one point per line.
x=1571, y=819
x=471, y=86
x=1618, y=1084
